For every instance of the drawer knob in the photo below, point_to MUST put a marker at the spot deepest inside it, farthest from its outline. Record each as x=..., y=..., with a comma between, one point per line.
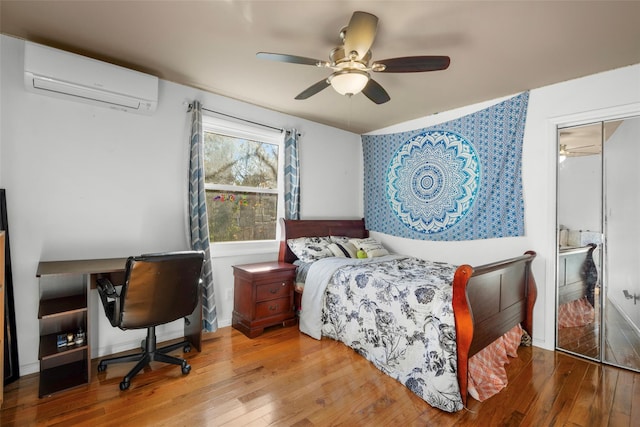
x=273, y=307
x=275, y=290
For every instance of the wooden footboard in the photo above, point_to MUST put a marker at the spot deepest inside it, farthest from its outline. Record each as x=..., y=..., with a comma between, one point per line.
x=487, y=302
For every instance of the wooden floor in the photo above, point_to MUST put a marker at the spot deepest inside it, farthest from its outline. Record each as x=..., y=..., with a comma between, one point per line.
x=584, y=339
x=621, y=343
x=284, y=378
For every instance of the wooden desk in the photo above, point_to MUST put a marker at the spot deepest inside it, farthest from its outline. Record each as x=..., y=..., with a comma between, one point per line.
x=85, y=266
x=66, y=308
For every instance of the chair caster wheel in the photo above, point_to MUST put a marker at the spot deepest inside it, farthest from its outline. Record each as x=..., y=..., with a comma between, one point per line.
x=186, y=368
x=124, y=385
x=102, y=367
x=187, y=348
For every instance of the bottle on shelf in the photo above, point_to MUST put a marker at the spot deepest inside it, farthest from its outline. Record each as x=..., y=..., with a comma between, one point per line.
x=80, y=336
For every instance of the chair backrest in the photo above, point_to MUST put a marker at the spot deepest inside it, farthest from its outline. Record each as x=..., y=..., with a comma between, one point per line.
x=160, y=288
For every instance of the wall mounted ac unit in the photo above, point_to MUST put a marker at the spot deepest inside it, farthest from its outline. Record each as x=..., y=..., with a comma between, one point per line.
x=63, y=74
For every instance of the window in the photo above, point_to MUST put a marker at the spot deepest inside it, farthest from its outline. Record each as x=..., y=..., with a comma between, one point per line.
x=243, y=181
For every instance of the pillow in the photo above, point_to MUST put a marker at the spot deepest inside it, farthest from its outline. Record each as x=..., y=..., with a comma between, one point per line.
x=309, y=249
x=343, y=245
x=371, y=246
x=343, y=250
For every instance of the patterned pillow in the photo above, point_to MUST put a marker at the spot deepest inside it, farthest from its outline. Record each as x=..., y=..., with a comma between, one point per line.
x=344, y=243
x=371, y=246
x=343, y=250
x=309, y=249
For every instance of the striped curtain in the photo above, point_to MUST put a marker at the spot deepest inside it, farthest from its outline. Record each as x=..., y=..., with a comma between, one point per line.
x=198, y=217
x=291, y=176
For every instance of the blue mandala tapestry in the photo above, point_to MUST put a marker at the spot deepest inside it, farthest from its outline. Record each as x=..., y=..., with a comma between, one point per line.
x=459, y=180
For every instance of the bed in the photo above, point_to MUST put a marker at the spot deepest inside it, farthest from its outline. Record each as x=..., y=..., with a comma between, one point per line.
x=487, y=301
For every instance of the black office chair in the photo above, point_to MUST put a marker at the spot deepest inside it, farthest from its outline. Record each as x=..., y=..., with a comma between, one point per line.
x=157, y=289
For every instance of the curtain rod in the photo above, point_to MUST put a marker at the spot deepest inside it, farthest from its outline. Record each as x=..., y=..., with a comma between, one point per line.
x=237, y=118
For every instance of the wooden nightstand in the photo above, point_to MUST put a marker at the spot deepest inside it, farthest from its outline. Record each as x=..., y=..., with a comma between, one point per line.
x=263, y=296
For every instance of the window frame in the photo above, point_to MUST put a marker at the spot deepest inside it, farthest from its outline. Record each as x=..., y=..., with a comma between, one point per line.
x=243, y=131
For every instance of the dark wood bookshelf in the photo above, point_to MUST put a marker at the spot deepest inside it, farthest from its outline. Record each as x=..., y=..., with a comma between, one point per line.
x=63, y=377
x=62, y=306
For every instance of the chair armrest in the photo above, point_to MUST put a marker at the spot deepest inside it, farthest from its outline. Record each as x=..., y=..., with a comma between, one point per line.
x=110, y=300
x=106, y=287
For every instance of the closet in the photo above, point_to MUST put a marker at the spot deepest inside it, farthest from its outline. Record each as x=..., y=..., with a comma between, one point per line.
x=598, y=201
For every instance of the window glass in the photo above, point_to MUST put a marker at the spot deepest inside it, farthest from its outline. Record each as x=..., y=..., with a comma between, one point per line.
x=242, y=182
x=240, y=162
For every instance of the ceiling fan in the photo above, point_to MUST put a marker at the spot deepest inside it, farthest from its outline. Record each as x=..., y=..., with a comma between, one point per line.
x=352, y=66
x=585, y=150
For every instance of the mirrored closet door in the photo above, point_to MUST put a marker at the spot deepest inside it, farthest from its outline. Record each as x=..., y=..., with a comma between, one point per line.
x=598, y=197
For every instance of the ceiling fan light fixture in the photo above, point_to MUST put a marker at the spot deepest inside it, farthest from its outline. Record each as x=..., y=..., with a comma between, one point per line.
x=349, y=82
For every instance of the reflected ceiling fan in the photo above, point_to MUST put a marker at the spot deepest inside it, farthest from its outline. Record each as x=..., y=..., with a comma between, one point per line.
x=585, y=150
x=352, y=66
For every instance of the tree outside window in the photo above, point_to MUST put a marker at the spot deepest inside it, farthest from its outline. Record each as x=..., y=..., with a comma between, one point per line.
x=242, y=186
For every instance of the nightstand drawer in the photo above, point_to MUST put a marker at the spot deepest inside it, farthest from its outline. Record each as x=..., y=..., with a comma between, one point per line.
x=273, y=307
x=271, y=291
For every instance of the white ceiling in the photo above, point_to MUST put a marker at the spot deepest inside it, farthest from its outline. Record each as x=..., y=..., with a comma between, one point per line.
x=497, y=48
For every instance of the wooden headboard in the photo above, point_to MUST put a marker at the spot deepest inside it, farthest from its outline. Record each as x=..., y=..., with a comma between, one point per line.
x=292, y=229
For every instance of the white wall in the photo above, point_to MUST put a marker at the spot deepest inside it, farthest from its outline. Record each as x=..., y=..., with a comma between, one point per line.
x=580, y=193
x=85, y=182
x=573, y=102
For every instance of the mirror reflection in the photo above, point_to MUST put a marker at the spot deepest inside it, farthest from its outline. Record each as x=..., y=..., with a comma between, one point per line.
x=579, y=208
x=622, y=254
x=597, y=293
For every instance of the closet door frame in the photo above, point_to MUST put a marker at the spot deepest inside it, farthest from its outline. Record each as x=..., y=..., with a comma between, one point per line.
x=580, y=119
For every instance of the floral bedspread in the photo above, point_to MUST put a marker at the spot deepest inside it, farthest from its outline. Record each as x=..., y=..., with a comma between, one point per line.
x=394, y=311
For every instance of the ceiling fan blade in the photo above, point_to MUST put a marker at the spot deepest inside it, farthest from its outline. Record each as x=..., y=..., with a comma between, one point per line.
x=313, y=89
x=375, y=92
x=360, y=33
x=581, y=153
x=584, y=146
x=414, y=64
x=292, y=59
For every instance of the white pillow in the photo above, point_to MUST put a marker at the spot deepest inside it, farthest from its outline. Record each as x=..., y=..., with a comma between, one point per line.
x=343, y=250
x=309, y=249
x=345, y=245
x=371, y=246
